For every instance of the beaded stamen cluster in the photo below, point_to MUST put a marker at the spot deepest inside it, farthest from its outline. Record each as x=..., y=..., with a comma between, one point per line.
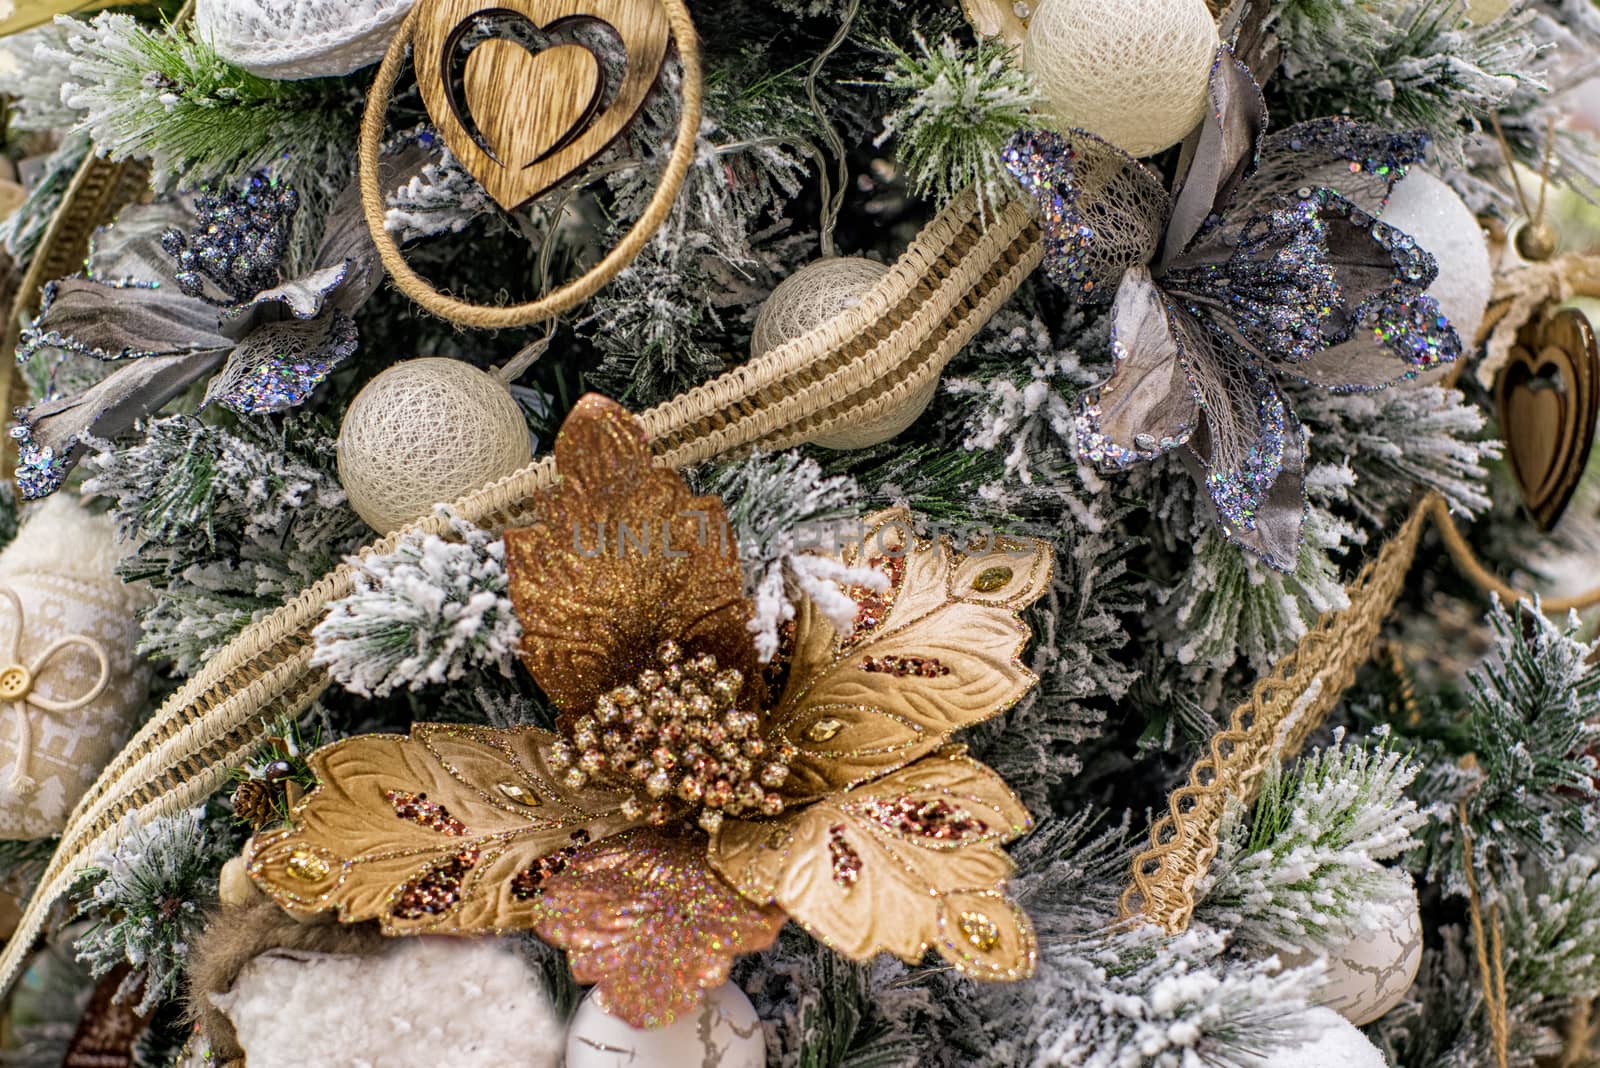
x=678, y=740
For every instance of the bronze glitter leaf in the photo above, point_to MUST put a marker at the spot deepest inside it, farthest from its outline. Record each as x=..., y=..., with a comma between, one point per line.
x=939, y=652
x=909, y=862
x=645, y=917
x=435, y=833
x=620, y=558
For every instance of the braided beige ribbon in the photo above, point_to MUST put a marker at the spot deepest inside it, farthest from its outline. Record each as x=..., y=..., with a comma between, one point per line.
x=18, y=684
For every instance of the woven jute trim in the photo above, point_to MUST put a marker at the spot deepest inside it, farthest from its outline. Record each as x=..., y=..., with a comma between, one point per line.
x=1284, y=708
x=895, y=342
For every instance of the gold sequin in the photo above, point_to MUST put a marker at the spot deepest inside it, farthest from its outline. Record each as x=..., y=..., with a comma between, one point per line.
x=522, y=796
x=981, y=931
x=992, y=579
x=824, y=730
x=307, y=866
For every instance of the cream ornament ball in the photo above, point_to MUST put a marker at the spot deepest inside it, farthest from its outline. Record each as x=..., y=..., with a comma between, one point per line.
x=71, y=683
x=421, y=1003
x=1337, y=1045
x=816, y=294
x=1134, y=72
x=426, y=432
x=1425, y=207
x=288, y=39
x=1372, y=973
x=725, y=1031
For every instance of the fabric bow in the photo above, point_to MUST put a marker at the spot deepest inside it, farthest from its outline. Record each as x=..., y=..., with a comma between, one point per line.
x=19, y=686
x=1269, y=261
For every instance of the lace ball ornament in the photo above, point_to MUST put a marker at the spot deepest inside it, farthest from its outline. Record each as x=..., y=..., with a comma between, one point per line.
x=1337, y=1045
x=426, y=432
x=1370, y=975
x=814, y=295
x=1425, y=207
x=1134, y=72
x=71, y=683
x=288, y=39
x=725, y=1031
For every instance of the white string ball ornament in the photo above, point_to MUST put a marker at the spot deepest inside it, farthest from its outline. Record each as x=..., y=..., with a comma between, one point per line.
x=816, y=294
x=1135, y=72
x=1426, y=208
x=426, y=432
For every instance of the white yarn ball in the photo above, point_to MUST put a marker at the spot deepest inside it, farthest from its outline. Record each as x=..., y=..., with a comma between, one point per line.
x=421, y=1003
x=1339, y=1045
x=1135, y=72
x=725, y=1032
x=288, y=39
x=1429, y=210
x=1370, y=975
x=818, y=293
x=426, y=432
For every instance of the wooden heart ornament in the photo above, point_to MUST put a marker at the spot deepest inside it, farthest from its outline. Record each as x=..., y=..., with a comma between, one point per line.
x=1549, y=398
x=524, y=111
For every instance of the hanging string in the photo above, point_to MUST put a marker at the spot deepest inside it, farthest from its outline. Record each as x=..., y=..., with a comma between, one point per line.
x=833, y=191
x=1580, y=1034
x=1490, y=952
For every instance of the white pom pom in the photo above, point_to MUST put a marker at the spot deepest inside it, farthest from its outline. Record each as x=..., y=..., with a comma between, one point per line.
x=427, y=432
x=1429, y=210
x=1339, y=1045
x=725, y=1032
x=300, y=38
x=1135, y=72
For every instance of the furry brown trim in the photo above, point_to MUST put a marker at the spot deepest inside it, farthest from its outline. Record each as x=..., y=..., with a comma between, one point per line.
x=236, y=935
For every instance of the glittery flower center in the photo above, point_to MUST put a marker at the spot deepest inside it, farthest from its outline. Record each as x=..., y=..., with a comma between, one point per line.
x=679, y=742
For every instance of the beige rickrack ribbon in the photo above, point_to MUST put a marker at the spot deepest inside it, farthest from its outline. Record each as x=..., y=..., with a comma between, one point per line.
x=18, y=682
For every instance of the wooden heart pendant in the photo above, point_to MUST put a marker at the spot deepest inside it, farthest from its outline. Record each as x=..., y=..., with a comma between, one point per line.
x=524, y=113
x=1549, y=398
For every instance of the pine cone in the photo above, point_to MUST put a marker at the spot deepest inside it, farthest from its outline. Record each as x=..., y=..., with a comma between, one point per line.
x=253, y=803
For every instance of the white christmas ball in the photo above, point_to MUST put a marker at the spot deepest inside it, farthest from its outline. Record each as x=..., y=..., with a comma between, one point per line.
x=421, y=1003
x=725, y=1032
x=1429, y=210
x=426, y=432
x=1338, y=1045
x=288, y=39
x=1135, y=72
x=1370, y=975
x=818, y=293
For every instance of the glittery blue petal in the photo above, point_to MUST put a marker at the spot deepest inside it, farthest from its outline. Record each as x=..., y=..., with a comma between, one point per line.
x=40, y=469
x=279, y=366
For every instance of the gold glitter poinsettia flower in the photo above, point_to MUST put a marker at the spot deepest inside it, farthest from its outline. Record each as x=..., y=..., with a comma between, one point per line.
x=681, y=814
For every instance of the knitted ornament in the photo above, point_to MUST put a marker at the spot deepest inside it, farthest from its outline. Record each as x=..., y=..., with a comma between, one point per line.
x=426, y=432
x=724, y=1031
x=71, y=685
x=813, y=295
x=289, y=39
x=1338, y=1045
x=1429, y=210
x=1370, y=975
x=1134, y=72
x=418, y=1003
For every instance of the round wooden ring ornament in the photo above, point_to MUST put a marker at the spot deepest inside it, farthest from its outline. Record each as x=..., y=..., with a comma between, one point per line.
x=569, y=105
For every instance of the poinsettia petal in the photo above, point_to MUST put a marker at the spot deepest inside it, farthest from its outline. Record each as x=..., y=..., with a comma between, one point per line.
x=1224, y=150
x=620, y=557
x=439, y=832
x=645, y=917
x=903, y=864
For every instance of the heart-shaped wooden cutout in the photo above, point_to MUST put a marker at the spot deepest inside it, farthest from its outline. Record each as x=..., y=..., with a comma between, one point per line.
x=1549, y=399
x=540, y=114
x=528, y=104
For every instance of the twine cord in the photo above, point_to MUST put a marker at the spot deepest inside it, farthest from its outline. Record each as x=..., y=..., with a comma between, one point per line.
x=832, y=192
x=1490, y=951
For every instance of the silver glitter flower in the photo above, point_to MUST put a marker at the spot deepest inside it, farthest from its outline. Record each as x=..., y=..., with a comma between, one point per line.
x=1269, y=261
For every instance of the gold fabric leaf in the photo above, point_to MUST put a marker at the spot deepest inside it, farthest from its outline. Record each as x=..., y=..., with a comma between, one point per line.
x=645, y=917
x=939, y=652
x=621, y=557
x=908, y=862
x=435, y=833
